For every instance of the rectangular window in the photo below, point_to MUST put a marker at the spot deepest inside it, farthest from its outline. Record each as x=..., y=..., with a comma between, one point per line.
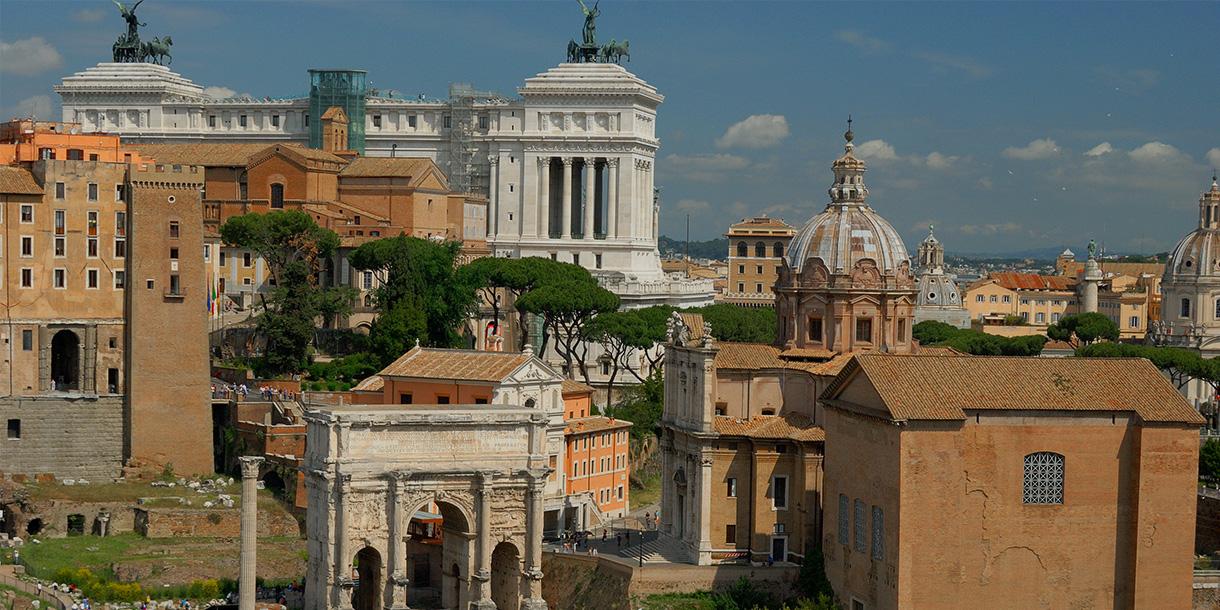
x=120, y=279
x=411, y=121
x=120, y=224
x=173, y=254
x=878, y=533
x=758, y=288
x=92, y=191
x=275, y=120
x=731, y=490
x=173, y=228
x=1040, y=318
x=91, y=278
x=60, y=278
x=119, y=192
x=741, y=269
x=404, y=398
x=759, y=269
x=859, y=525
x=1007, y=298
x=367, y=280
x=120, y=247
x=483, y=122
x=175, y=286
x=14, y=429
x=246, y=259
x=1054, y=318
x=992, y=298
x=446, y=121
x=27, y=340
x=212, y=121
x=442, y=399
x=207, y=252
x=1185, y=308
x=61, y=191
x=1134, y=322
x=730, y=533
x=91, y=224
x=864, y=329
x=902, y=331
x=241, y=120
x=61, y=247
x=224, y=258
x=377, y=121
x=978, y=299
x=27, y=277
x=61, y=222
x=779, y=492
x=27, y=246
x=843, y=519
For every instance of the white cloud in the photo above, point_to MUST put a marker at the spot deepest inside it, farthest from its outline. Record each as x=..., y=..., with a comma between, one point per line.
x=1156, y=152
x=89, y=15
x=986, y=183
x=1213, y=157
x=945, y=62
x=693, y=206
x=862, y=41
x=876, y=150
x=28, y=56
x=936, y=160
x=756, y=131
x=218, y=93
x=1101, y=149
x=38, y=106
x=1043, y=148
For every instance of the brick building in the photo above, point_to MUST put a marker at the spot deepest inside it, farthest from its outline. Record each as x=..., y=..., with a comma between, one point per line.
x=958, y=481
x=756, y=249
x=101, y=272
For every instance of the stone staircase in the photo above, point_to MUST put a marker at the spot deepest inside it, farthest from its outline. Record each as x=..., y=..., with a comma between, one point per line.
x=657, y=548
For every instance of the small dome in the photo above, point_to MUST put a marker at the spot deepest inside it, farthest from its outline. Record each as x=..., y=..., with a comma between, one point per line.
x=937, y=290
x=1198, y=253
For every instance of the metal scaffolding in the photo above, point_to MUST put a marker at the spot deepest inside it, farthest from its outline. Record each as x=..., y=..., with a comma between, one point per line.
x=468, y=172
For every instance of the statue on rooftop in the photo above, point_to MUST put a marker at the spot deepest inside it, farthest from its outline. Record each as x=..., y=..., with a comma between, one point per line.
x=129, y=15
x=1092, y=249
x=590, y=30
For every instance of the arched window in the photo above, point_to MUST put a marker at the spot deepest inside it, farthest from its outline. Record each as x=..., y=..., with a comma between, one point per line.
x=777, y=250
x=1185, y=308
x=1043, y=483
x=243, y=186
x=760, y=249
x=277, y=195
x=743, y=249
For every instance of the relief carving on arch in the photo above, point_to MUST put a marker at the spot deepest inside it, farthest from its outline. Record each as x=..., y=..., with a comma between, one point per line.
x=815, y=274
x=508, y=511
x=865, y=274
x=364, y=513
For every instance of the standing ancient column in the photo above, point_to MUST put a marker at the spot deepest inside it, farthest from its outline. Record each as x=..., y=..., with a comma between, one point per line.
x=398, y=543
x=590, y=174
x=483, y=573
x=565, y=231
x=544, y=192
x=533, y=541
x=612, y=196
x=704, y=522
x=249, y=530
x=493, y=224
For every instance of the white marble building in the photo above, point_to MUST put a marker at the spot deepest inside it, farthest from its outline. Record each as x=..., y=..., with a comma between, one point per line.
x=578, y=133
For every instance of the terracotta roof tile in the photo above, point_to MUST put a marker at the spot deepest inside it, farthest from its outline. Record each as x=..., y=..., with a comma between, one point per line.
x=747, y=356
x=594, y=423
x=571, y=386
x=207, y=154
x=370, y=384
x=694, y=323
x=460, y=364
x=944, y=387
x=791, y=426
x=397, y=167
x=1076, y=268
x=1033, y=281
x=18, y=181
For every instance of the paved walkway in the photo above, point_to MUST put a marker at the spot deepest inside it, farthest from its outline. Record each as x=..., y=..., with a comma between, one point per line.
x=9, y=575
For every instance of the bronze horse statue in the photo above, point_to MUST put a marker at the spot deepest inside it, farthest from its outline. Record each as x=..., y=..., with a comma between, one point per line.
x=158, y=51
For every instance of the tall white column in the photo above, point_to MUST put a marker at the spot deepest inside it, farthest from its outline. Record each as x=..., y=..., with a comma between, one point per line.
x=565, y=231
x=590, y=174
x=649, y=208
x=705, y=508
x=544, y=191
x=612, y=196
x=398, y=544
x=533, y=542
x=249, y=531
x=482, y=575
x=493, y=221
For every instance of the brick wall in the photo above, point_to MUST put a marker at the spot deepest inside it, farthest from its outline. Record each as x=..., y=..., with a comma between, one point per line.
x=67, y=437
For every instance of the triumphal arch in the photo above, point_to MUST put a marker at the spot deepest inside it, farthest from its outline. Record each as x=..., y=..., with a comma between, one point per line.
x=425, y=505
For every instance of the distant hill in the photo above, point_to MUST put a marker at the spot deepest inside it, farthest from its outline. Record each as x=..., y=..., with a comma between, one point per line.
x=712, y=248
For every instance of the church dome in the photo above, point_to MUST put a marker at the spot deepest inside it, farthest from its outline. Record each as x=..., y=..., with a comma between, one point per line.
x=937, y=290
x=1198, y=253
x=848, y=231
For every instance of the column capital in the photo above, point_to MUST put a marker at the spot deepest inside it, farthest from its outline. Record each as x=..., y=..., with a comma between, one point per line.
x=493, y=159
x=590, y=160
x=544, y=161
x=567, y=160
x=250, y=465
x=612, y=162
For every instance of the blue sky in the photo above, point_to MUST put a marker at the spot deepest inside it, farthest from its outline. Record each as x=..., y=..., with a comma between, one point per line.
x=1009, y=126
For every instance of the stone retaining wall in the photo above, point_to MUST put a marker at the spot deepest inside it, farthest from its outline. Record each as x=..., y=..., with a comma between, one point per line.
x=65, y=437
x=208, y=523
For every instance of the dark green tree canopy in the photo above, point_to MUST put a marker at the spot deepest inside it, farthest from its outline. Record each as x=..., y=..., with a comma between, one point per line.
x=1083, y=329
x=969, y=341
x=739, y=324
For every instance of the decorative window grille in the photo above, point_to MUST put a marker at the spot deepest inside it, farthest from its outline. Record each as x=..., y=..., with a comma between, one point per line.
x=1043, y=478
x=843, y=517
x=878, y=533
x=861, y=533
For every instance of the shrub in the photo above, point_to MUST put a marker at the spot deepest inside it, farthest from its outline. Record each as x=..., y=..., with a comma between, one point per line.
x=208, y=588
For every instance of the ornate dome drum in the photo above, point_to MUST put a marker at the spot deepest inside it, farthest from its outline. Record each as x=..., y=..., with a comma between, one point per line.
x=1190, y=309
x=846, y=283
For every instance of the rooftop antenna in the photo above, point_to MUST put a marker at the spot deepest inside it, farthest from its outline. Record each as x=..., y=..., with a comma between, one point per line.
x=686, y=247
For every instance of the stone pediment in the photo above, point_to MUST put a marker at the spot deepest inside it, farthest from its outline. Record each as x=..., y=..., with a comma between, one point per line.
x=534, y=371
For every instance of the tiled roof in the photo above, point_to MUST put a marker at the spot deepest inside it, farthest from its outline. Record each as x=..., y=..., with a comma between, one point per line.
x=335, y=112
x=571, y=386
x=791, y=426
x=694, y=323
x=460, y=364
x=397, y=167
x=594, y=423
x=1076, y=268
x=314, y=154
x=807, y=352
x=370, y=384
x=207, y=154
x=756, y=356
x=937, y=350
x=944, y=387
x=18, y=181
x=1033, y=281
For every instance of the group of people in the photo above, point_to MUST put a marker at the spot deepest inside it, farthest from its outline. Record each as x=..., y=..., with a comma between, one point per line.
x=241, y=391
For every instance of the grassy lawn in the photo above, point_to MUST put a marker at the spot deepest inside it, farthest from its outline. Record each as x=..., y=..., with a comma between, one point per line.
x=649, y=494
x=154, y=497
x=679, y=601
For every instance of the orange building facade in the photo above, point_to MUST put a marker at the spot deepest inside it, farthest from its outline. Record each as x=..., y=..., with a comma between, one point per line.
x=596, y=453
